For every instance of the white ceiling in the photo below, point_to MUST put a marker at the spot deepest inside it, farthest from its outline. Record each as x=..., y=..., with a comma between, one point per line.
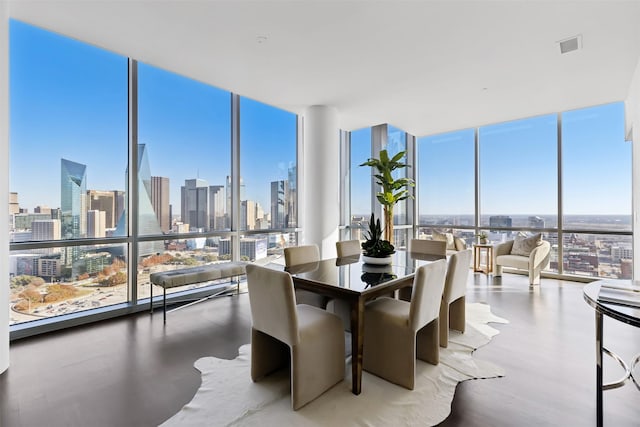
x=424, y=66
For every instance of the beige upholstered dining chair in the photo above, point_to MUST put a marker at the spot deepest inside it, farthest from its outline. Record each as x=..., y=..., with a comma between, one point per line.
x=310, y=338
x=304, y=254
x=452, y=309
x=428, y=247
x=347, y=248
x=396, y=332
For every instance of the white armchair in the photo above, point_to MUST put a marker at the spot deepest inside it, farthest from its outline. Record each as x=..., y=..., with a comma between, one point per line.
x=534, y=263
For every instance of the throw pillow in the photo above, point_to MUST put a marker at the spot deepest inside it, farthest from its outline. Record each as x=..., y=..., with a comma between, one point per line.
x=524, y=245
x=444, y=237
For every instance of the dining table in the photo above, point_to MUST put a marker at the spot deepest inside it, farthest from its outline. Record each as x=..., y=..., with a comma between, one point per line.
x=351, y=280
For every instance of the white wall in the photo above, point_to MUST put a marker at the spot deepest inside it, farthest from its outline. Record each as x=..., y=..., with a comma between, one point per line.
x=632, y=131
x=4, y=185
x=321, y=166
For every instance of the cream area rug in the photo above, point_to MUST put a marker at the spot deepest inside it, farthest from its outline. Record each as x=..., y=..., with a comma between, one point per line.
x=228, y=397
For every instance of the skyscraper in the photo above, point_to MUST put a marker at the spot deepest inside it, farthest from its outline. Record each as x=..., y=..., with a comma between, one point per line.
x=217, y=204
x=195, y=204
x=247, y=215
x=73, y=194
x=104, y=201
x=96, y=221
x=147, y=222
x=500, y=221
x=279, y=205
x=292, y=197
x=160, y=201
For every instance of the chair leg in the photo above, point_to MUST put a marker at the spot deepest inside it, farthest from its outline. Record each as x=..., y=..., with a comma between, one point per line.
x=443, y=322
x=457, y=314
x=428, y=343
x=267, y=354
x=497, y=271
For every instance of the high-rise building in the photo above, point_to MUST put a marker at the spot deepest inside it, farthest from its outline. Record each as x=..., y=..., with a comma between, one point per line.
x=160, y=202
x=45, y=229
x=24, y=221
x=14, y=206
x=96, y=221
x=104, y=201
x=147, y=221
x=229, y=201
x=195, y=204
x=500, y=221
x=247, y=215
x=217, y=205
x=73, y=199
x=292, y=196
x=279, y=205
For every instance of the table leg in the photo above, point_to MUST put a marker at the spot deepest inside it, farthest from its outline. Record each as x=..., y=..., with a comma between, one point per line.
x=599, y=326
x=357, y=344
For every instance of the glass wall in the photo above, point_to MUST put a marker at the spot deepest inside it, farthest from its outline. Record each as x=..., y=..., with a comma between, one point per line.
x=519, y=175
x=518, y=185
x=397, y=142
x=596, y=192
x=70, y=134
x=446, y=183
x=268, y=181
x=360, y=182
x=184, y=154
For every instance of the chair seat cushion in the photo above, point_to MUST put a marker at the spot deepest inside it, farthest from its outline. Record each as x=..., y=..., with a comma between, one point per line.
x=516, y=261
x=392, y=310
x=313, y=321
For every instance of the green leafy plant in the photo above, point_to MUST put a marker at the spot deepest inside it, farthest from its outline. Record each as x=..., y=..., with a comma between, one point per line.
x=375, y=245
x=393, y=190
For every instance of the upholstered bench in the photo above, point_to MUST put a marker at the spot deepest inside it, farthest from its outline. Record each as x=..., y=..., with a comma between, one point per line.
x=188, y=276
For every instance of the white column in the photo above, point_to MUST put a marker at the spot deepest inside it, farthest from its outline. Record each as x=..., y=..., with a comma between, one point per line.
x=4, y=186
x=321, y=178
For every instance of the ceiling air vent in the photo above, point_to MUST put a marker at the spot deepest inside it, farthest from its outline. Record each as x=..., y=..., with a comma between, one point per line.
x=570, y=44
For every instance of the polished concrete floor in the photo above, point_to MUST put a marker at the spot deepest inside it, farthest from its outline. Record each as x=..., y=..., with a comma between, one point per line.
x=135, y=371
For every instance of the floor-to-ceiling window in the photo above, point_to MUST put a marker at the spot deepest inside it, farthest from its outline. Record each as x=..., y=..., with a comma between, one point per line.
x=446, y=190
x=268, y=180
x=184, y=169
x=120, y=166
x=68, y=103
x=596, y=192
x=360, y=181
x=567, y=176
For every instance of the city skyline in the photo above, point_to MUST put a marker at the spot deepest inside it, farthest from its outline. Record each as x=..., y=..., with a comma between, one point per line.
x=184, y=123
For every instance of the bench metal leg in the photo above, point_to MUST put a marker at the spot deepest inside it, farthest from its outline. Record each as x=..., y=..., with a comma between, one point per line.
x=164, y=304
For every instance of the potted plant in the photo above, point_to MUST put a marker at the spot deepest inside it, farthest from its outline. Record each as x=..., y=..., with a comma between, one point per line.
x=393, y=190
x=483, y=238
x=375, y=249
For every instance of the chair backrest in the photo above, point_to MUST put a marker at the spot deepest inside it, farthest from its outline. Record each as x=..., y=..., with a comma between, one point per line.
x=301, y=254
x=426, y=296
x=428, y=247
x=455, y=285
x=273, y=303
x=348, y=248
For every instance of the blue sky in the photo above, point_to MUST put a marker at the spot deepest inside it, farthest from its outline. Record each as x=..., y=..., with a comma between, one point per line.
x=69, y=100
